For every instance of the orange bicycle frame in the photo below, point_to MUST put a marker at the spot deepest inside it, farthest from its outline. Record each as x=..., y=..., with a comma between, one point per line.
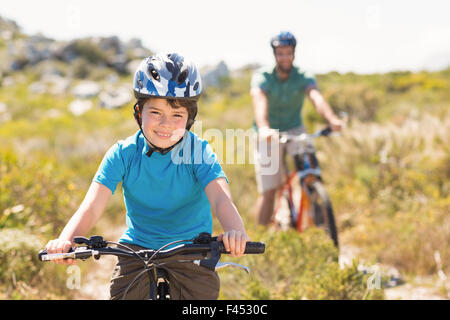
x=304, y=204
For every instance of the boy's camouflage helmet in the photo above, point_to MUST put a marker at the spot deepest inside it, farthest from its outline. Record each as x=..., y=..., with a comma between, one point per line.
x=167, y=75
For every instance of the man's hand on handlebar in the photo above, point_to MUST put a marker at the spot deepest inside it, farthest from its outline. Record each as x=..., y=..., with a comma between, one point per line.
x=336, y=124
x=266, y=133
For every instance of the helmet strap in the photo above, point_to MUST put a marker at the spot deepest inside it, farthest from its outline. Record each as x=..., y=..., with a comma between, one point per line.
x=154, y=148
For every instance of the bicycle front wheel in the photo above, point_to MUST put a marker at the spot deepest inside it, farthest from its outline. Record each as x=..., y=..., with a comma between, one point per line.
x=322, y=211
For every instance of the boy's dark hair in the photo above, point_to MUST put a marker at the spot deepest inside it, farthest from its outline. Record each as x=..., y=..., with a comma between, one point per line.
x=189, y=103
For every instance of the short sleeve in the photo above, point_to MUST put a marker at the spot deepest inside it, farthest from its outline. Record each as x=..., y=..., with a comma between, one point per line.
x=258, y=80
x=112, y=169
x=310, y=81
x=209, y=168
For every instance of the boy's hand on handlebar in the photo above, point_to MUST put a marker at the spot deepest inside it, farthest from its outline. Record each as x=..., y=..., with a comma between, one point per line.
x=60, y=246
x=234, y=242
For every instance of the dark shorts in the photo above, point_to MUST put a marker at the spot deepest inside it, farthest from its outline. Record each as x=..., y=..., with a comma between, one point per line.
x=187, y=281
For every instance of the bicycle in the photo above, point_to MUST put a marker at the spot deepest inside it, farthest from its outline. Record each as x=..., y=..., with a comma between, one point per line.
x=204, y=244
x=314, y=202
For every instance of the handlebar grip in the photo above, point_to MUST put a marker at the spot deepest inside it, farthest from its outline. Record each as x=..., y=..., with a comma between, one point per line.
x=255, y=247
x=44, y=252
x=250, y=248
x=41, y=253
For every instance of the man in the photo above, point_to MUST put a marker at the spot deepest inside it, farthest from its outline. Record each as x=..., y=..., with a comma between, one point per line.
x=278, y=94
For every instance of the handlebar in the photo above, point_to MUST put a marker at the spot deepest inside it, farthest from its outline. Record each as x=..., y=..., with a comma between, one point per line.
x=304, y=137
x=203, y=245
x=284, y=136
x=96, y=247
x=85, y=253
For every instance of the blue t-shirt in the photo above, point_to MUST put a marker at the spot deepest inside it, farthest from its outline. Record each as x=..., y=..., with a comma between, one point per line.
x=164, y=194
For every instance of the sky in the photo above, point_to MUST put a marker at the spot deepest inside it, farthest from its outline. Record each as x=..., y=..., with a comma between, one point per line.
x=362, y=36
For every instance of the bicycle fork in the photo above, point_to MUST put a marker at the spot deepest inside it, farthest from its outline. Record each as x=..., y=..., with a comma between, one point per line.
x=308, y=171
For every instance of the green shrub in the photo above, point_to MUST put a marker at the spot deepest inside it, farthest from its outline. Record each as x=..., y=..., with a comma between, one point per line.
x=296, y=266
x=89, y=51
x=36, y=194
x=22, y=275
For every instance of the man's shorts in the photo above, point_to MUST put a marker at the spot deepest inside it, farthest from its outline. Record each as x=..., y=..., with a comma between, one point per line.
x=187, y=281
x=270, y=161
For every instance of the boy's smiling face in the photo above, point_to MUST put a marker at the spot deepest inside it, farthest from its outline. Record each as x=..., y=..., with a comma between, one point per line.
x=163, y=125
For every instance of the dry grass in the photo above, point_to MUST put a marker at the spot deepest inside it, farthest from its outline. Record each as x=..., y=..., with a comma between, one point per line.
x=392, y=190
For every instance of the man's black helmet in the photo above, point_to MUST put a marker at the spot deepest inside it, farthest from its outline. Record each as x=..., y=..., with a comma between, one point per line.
x=283, y=39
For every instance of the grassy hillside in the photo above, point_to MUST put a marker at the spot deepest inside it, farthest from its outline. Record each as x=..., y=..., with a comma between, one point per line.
x=387, y=175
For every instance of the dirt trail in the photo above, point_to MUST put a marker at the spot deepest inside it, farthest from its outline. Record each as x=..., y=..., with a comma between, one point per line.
x=95, y=284
x=420, y=288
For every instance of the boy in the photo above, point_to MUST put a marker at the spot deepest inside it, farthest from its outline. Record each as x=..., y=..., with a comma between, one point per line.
x=171, y=181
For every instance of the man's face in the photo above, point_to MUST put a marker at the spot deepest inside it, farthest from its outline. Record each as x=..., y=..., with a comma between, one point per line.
x=162, y=124
x=284, y=57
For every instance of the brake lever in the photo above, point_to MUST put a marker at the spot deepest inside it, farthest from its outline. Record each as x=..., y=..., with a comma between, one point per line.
x=221, y=265
x=81, y=240
x=94, y=242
